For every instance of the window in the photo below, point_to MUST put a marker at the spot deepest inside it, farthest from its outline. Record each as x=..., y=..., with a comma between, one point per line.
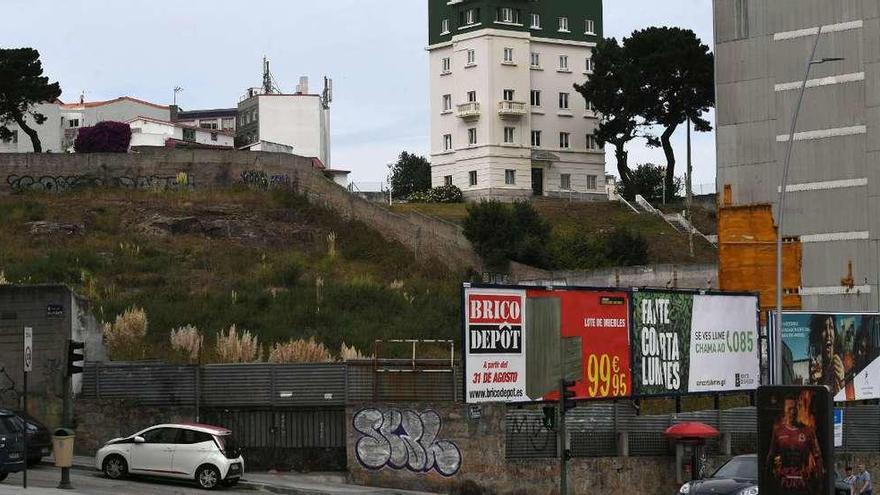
x=563, y=62
x=563, y=24
x=447, y=142
x=588, y=106
x=447, y=180
x=213, y=136
x=74, y=122
x=447, y=103
x=508, y=95
x=510, y=177
x=590, y=27
x=470, y=17
x=536, y=98
x=447, y=66
x=508, y=55
x=192, y=437
x=189, y=134
x=471, y=57
x=536, y=139
x=536, y=21
x=507, y=14
x=564, y=140
x=228, y=123
x=472, y=96
x=208, y=124
x=509, y=134
x=536, y=59
x=565, y=182
x=563, y=101
x=161, y=435
x=472, y=136
x=592, y=143
x=741, y=18
x=589, y=65
x=472, y=177
x=444, y=26
x=591, y=182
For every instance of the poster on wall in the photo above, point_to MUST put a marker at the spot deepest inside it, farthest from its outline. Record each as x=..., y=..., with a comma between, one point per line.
x=795, y=447
x=685, y=342
x=839, y=350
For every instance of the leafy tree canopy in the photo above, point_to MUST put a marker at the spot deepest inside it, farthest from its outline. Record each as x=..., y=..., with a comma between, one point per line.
x=22, y=86
x=411, y=174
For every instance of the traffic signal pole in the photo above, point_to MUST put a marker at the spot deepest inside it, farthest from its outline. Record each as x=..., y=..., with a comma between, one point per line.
x=75, y=355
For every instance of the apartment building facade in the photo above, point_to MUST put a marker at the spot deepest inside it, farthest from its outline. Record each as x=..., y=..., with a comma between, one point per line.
x=506, y=121
x=833, y=193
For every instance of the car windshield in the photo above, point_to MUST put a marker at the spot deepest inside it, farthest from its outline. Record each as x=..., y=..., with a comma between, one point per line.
x=11, y=424
x=744, y=468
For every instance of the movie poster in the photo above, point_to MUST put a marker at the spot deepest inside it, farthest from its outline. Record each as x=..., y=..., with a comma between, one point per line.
x=684, y=342
x=795, y=452
x=837, y=350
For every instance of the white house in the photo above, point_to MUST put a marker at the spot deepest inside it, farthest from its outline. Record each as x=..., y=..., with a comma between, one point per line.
x=146, y=131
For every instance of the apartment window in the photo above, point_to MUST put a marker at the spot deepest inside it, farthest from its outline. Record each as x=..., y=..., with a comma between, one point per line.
x=563, y=62
x=447, y=103
x=447, y=142
x=536, y=59
x=472, y=177
x=447, y=180
x=536, y=98
x=535, y=21
x=228, y=123
x=509, y=134
x=508, y=95
x=507, y=14
x=189, y=134
x=208, y=124
x=564, y=140
x=590, y=27
x=447, y=65
x=591, y=182
x=471, y=57
x=589, y=65
x=508, y=55
x=213, y=136
x=565, y=182
x=741, y=18
x=73, y=122
x=472, y=136
x=536, y=139
x=588, y=106
x=563, y=24
x=510, y=177
x=472, y=96
x=563, y=101
x=470, y=17
x=444, y=26
x=592, y=143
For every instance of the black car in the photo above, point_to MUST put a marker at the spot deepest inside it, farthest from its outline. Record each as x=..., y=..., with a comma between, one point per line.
x=11, y=444
x=38, y=437
x=738, y=476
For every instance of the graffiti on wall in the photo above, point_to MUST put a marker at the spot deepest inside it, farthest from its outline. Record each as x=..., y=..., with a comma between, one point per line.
x=61, y=183
x=257, y=179
x=404, y=440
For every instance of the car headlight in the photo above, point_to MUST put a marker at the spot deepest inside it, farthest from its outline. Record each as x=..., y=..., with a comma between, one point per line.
x=752, y=490
x=685, y=488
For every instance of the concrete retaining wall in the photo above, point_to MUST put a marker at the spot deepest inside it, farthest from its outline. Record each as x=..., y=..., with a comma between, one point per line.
x=701, y=276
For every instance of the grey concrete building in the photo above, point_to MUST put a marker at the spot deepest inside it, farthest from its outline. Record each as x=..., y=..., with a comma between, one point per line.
x=833, y=198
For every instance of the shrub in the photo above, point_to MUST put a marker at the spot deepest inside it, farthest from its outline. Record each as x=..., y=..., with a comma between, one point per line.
x=125, y=336
x=442, y=194
x=233, y=347
x=502, y=233
x=103, y=137
x=187, y=340
x=625, y=248
x=300, y=351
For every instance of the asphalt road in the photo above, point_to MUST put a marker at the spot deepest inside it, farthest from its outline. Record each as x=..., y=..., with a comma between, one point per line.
x=44, y=480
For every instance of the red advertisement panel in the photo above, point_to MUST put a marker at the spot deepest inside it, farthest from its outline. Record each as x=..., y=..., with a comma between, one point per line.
x=601, y=320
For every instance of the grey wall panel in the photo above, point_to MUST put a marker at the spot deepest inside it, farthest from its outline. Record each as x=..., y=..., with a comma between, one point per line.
x=824, y=107
x=826, y=159
x=828, y=210
x=742, y=60
x=745, y=101
x=746, y=143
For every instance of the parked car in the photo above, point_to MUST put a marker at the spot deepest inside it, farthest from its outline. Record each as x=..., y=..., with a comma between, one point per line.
x=738, y=476
x=206, y=454
x=38, y=437
x=11, y=444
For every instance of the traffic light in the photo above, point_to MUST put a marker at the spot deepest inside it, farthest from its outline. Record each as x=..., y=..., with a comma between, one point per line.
x=567, y=394
x=75, y=357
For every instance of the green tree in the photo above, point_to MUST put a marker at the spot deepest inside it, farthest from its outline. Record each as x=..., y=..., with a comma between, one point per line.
x=625, y=248
x=411, y=174
x=683, y=89
x=615, y=92
x=647, y=180
x=22, y=86
x=502, y=233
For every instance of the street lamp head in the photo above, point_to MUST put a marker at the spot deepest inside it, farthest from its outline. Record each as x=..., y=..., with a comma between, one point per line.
x=826, y=59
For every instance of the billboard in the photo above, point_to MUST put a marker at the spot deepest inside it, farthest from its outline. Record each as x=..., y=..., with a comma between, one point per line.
x=839, y=350
x=795, y=448
x=685, y=342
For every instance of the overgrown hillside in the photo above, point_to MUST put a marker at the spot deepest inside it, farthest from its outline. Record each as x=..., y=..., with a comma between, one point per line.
x=270, y=263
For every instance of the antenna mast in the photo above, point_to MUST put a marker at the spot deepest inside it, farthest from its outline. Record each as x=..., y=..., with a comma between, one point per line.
x=267, y=78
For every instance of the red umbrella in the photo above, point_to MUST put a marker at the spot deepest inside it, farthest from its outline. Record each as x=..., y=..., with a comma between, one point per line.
x=691, y=429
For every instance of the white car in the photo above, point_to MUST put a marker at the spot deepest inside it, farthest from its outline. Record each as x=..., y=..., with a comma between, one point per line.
x=206, y=454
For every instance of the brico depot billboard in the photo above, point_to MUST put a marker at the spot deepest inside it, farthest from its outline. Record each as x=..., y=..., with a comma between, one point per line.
x=632, y=343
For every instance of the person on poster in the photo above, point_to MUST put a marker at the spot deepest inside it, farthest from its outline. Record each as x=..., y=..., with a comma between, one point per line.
x=863, y=480
x=826, y=364
x=795, y=458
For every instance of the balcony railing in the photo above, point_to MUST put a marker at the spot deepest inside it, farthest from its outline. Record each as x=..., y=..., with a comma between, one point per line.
x=469, y=110
x=511, y=109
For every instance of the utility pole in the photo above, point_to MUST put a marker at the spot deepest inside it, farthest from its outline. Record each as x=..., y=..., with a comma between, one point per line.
x=690, y=190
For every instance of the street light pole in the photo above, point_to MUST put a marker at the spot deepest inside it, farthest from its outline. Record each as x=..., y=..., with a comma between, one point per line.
x=777, y=330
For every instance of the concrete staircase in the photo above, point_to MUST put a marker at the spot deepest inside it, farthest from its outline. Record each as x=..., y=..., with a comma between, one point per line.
x=676, y=220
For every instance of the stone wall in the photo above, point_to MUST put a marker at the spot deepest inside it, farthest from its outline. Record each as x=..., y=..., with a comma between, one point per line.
x=97, y=421
x=217, y=169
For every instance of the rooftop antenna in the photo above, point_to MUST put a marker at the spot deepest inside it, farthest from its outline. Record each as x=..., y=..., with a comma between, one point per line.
x=267, y=78
x=327, y=96
x=177, y=89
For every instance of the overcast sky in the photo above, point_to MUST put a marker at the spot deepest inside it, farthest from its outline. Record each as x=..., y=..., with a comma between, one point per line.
x=373, y=49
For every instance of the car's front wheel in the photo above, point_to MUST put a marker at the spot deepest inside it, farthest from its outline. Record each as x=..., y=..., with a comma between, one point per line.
x=115, y=467
x=208, y=477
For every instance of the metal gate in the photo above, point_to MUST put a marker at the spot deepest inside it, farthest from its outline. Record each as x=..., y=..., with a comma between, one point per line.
x=302, y=439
